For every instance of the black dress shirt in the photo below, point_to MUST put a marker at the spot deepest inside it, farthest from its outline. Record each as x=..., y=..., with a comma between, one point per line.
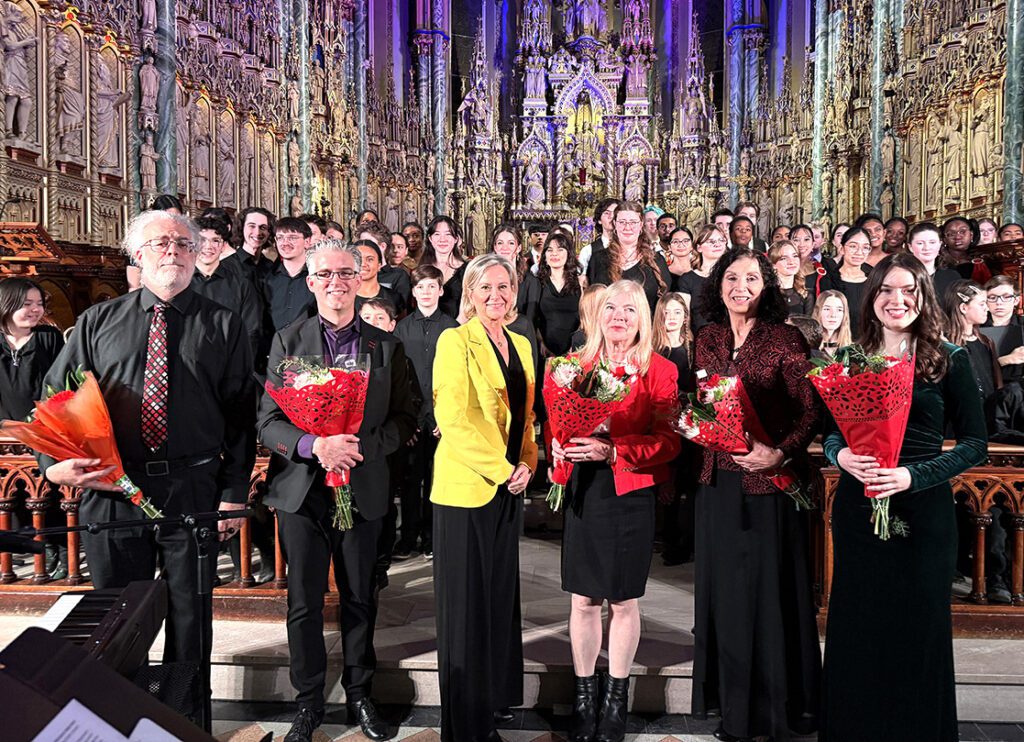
x=528, y=298
x=452, y=296
x=288, y=297
x=22, y=371
x=558, y=318
x=383, y=293
x=210, y=398
x=397, y=279
x=229, y=287
x=419, y=335
x=255, y=269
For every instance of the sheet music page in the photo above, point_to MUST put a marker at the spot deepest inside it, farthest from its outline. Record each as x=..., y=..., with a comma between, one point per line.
x=148, y=730
x=76, y=723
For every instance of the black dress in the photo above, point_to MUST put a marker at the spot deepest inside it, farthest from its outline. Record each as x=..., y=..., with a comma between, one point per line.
x=889, y=644
x=693, y=283
x=599, y=271
x=678, y=530
x=528, y=298
x=558, y=317
x=854, y=293
x=451, y=299
x=797, y=304
x=22, y=371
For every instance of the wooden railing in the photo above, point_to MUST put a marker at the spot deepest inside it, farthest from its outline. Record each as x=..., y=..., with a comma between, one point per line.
x=999, y=482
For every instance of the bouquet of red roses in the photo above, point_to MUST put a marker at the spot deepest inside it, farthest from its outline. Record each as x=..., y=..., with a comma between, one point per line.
x=75, y=424
x=720, y=417
x=869, y=396
x=325, y=401
x=578, y=400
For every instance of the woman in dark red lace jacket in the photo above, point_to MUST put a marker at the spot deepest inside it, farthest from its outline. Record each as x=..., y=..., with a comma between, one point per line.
x=757, y=658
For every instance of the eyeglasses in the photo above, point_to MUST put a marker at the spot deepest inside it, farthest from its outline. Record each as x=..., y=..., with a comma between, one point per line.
x=345, y=274
x=289, y=237
x=865, y=249
x=1001, y=299
x=160, y=245
x=628, y=222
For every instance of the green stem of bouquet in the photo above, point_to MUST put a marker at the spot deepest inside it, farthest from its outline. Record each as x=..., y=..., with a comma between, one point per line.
x=342, y=517
x=555, y=497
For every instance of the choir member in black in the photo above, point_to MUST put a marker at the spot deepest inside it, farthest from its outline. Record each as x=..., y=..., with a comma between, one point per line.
x=483, y=401
x=186, y=443
x=896, y=234
x=1011, y=231
x=334, y=231
x=674, y=340
x=419, y=333
x=752, y=212
x=590, y=306
x=610, y=509
x=679, y=255
x=852, y=275
x=413, y=232
x=163, y=202
x=256, y=228
x=1005, y=326
x=370, y=287
x=722, y=218
x=741, y=232
x=317, y=227
x=559, y=306
x=631, y=255
x=296, y=489
x=785, y=261
x=925, y=244
x=604, y=224
x=874, y=228
x=781, y=232
x=988, y=231
x=506, y=241
x=757, y=660
x=813, y=267
x=959, y=236
x=443, y=250
x=390, y=277
x=836, y=239
x=285, y=290
x=832, y=312
x=666, y=223
x=711, y=245
x=396, y=255
x=29, y=349
x=888, y=647
x=223, y=280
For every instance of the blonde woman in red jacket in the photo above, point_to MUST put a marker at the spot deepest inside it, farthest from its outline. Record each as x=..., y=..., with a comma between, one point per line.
x=609, y=515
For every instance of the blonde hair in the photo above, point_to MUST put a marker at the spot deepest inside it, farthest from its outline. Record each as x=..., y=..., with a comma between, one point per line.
x=660, y=334
x=475, y=270
x=843, y=334
x=639, y=353
x=590, y=303
x=775, y=254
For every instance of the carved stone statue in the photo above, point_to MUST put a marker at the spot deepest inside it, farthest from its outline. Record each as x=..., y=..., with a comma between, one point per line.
x=295, y=205
x=201, y=155
x=981, y=136
x=148, y=157
x=149, y=85
x=533, y=182
x=933, y=176
x=105, y=116
x=591, y=17
x=293, y=162
x=912, y=158
x=476, y=228
x=181, y=127
x=17, y=37
x=695, y=215
x=633, y=190
x=225, y=165
x=887, y=198
x=826, y=191
x=888, y=148
x=765, y=211
x=268, y=176
x=293, y=101
x=247, y=162
x=787, y=205
x=148, y=20
x=391, y=219
x=636, y=83
x=954, y=155
x=70, y=100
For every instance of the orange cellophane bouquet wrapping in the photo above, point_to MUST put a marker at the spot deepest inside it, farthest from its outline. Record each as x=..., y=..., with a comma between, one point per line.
x=76, y=425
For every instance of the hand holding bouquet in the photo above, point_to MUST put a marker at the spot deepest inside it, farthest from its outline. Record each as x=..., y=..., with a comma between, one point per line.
x=721, y=417
x=578, y=400
x=75, y=424
x=869, y=396
x=325, y=401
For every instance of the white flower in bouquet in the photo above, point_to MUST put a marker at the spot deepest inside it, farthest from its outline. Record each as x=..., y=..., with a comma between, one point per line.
x=311, y=378
x=566, y=372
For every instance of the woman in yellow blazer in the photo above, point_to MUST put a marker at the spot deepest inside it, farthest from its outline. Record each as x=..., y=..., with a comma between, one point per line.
x=483, y=402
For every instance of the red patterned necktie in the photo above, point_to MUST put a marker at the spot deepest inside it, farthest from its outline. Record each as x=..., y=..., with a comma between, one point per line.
x=154, y=389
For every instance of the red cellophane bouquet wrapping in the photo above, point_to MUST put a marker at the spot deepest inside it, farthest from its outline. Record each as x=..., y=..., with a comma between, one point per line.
x=323, y=401
x=869, y=396
x=721, y=417
x=75, y=424
x=578, y=400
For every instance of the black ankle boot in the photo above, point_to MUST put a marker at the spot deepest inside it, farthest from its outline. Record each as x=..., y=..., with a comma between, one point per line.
x=584, y=710
x=612, y=724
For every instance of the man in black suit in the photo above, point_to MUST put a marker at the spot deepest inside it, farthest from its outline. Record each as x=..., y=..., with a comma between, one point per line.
x=295, y=487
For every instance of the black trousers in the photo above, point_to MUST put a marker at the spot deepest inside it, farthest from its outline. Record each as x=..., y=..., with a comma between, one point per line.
x=479, y=629
x=310, y=545
x=118, y=557
x=415, y=495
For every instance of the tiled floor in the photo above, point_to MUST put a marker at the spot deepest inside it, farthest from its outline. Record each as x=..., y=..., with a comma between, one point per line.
x=245, y=722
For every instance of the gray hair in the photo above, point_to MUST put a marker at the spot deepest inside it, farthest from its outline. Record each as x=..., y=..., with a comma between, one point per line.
x=132, y=239
x=475, y=272
x=325, y=246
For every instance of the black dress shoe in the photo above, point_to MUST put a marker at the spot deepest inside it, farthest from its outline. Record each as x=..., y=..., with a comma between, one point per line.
x=364, y=714
x=724, y=736
x=504, y=716
x=304, y=724
x=584, y=710
x=611, y=726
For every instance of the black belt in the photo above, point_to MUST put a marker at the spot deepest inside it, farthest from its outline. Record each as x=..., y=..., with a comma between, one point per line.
x=164, y=467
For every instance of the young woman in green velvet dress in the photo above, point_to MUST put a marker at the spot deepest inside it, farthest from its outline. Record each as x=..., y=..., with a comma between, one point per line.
x=889, y=647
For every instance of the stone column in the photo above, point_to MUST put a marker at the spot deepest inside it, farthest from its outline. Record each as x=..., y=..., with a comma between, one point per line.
x=880, y=27
x=440, y=101
x=820, y=79
x=424, y=44
x=300, y=15
x=360, y=60
x=734, y=72
x=1013, y=113
x=165, y=139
